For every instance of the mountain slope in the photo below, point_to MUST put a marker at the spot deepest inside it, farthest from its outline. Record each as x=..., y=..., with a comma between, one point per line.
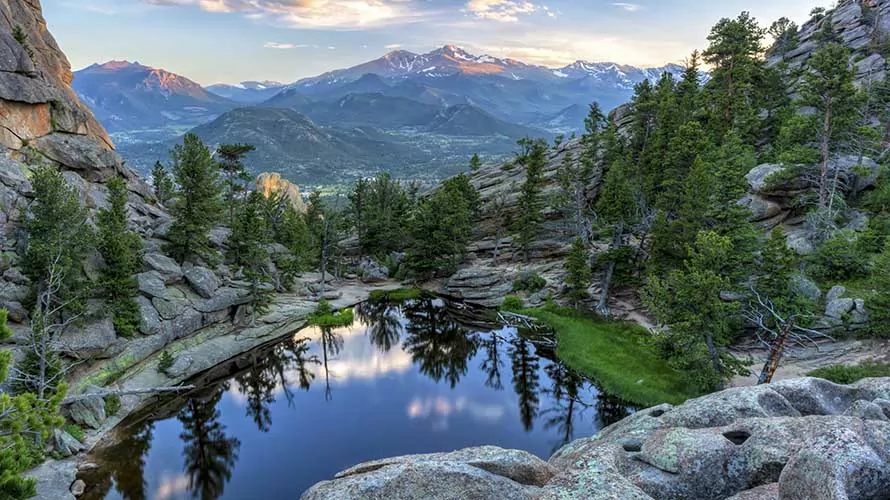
x=129, y=96
x=247, y=92
x=290, y=143
x=464, y=120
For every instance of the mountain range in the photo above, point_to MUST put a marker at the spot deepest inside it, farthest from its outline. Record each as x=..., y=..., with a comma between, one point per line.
x=431, y=110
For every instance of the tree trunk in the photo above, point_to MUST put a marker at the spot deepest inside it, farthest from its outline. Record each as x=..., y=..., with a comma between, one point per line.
x=823, y=149
x=715, y=359
x=602, y=308
x=775, y=355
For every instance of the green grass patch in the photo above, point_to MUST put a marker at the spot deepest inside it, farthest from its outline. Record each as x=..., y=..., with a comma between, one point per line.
x=335, y=320
x=400, y=295
x=616, y=356
x=848, y=374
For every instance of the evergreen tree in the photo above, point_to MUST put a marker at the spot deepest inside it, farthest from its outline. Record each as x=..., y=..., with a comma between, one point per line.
x=383, y=207
x=579, y=273
x=26, y=424
x=735, y=54
x=59, y=240
x=122, y=251
x=878, y=303
x=828, y=88
x=475, y=163
x=700, y=324
x=235, y=176
x=358, y=201
x=530, y=203
x=197, y=207
x=441, y=227
x=247, y=250
x=162, y=183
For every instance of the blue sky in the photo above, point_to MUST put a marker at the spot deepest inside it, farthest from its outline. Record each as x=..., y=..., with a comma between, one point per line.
x=229, y=41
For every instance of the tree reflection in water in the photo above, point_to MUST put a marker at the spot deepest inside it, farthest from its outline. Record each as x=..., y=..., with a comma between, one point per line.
x=526, y=379
x=428, y=329
x=209, y=454
x=438, y=344
x=384, y=323
x=268, y=373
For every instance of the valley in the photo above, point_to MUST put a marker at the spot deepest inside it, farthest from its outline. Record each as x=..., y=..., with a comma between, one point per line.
x=420, y=116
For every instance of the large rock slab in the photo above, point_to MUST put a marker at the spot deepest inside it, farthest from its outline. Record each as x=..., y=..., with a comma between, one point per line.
x=481, y=473
x=202, y=280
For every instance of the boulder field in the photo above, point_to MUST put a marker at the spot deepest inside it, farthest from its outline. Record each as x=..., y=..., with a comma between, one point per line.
x=800, y=439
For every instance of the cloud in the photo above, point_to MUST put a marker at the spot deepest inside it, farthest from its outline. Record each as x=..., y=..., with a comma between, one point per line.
x=504, y=11
x=629, y=7
x=283, y=46
x=307, y=14
x=393, y=46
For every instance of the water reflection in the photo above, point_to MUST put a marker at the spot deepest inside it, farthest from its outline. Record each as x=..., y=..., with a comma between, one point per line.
x=405, y=378
x=209, y=454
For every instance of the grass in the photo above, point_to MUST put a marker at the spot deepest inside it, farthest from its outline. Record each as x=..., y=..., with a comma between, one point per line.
x=340, y=318
x=617, y=358
x=112, y=405
x=400, y=295
x=848, y=374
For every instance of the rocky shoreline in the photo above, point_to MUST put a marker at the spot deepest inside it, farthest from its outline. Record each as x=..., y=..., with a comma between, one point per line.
x=194, y=355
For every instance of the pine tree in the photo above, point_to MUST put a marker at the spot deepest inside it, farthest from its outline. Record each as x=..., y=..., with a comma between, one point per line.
x=384, y=208
x=700, y=324
x=59, y=240
x=735, y=54
x=122, y=251
x=441, y=227
x=235, y=176
x=247, y=250
x=475, y=163
x=579, y=273
x=828, y=87
x=530, y=204
x=162, y=183
x=26, y=423
x=197, y=207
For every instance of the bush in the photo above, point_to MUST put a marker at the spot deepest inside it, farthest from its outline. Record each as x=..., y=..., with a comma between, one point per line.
x=75, y=431
x=529, y=282
x=512, y=303
x=112, y=405
x=840, y=258
x=165, y=362
x=848, y=374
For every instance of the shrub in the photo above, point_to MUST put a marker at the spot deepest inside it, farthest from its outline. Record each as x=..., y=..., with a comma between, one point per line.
x=512, y=303
x=848, y=374
x=325, y=316
x=529, y=282
x=840, y=258
x=112, y=405
x=75, y=431
x=165, y=362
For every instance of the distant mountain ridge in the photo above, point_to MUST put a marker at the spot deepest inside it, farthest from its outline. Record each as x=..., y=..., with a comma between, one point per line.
x=128, y=96
x=450, y=60
x=249, y=92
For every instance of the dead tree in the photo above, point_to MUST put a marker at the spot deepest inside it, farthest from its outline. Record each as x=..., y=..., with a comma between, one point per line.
x=776, y=330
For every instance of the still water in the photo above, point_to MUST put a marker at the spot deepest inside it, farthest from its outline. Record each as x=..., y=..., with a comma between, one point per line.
x=404, y=378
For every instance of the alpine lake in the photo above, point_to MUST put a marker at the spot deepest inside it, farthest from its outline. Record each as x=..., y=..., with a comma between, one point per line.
x=418, y=376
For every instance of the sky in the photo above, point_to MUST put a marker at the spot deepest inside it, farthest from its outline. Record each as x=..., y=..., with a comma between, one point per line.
x=228, y=41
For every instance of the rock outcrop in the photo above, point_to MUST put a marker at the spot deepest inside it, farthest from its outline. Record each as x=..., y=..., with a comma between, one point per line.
x=796, y=439
x=862, y=25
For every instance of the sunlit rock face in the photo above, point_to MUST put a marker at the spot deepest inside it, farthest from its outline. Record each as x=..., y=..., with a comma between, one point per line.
x=272, y=182
x=35, y=97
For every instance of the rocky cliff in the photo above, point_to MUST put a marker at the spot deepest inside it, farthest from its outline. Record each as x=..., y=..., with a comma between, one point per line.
x=863, y=26
x=802, y=439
